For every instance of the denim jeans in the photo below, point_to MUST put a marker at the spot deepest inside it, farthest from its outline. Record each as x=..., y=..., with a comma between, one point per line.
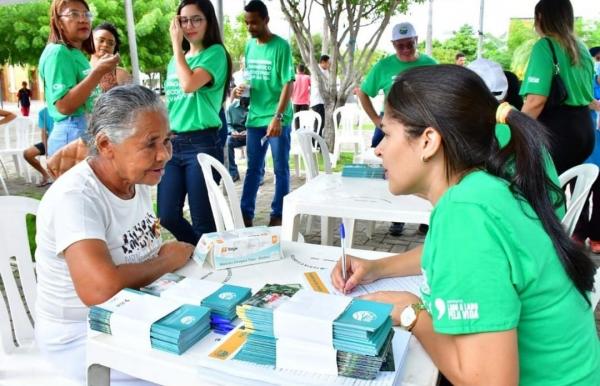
x=183, y=175
x=232, y=143
x=280, y=149
x=65, y=131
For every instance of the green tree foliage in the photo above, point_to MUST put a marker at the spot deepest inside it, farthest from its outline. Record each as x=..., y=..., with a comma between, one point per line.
x=26, y=29
x=317, y=41
x=235, y=36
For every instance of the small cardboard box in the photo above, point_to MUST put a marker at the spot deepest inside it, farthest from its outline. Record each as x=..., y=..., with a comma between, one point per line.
x=239, y=247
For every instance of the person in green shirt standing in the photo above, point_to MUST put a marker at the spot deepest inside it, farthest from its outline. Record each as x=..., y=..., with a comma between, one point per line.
x=269, y=63
x=197, y=80
x=69, y=82
x=570, y=125
x=506, y=293
x=381, y=77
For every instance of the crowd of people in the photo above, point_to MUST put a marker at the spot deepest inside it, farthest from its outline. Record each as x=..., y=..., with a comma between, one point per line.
x=506, y=293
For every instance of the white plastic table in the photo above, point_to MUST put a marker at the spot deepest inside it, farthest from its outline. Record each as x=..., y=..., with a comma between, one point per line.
x=104, y=352
x=349, y=198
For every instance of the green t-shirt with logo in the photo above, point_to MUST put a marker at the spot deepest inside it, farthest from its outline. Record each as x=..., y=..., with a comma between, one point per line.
x=197, y=110
x=489, y=266
x=270, y=67
x=503, y=136
x=384, y=72
x=538, y=76
x=61, y=69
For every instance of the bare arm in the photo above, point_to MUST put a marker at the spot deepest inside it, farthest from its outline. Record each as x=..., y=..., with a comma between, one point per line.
x=367, y=105
x=96, y=278
x=274, y=128
x=78, y=95
x=533, y=105
x=7, y=116
x=490, y=358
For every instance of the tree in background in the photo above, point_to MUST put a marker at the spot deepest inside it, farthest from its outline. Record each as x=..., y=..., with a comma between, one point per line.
x=343, y=22
x=317, y=42
x=235, y=36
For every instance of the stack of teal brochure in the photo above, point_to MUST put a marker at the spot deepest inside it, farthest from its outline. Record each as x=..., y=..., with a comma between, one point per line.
x=363, y=170
x=175, y=333
x=257, y=315
x=363, y=334
x=222, y=299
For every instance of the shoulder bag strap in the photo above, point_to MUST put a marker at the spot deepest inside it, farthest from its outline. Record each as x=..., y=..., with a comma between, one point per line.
x=556, y=66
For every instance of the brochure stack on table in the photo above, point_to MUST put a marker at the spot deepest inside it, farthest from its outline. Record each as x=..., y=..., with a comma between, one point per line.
x=364, y=171
x=303, y=330
x=151, y=321
x=221, y=299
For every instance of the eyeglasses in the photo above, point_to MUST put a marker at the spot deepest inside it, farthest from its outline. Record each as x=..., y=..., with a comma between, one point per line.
x=194, y=20
x=110, y=43
x=78, y=15
x=404, y=46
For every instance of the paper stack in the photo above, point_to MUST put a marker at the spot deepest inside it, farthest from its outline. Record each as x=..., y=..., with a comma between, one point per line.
x=363, y=337
x=175, y=333
x=222, y=299
x=257, y=315
x=363, y=170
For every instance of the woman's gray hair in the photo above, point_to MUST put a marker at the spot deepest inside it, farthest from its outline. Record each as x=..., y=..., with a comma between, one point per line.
x=116, y=110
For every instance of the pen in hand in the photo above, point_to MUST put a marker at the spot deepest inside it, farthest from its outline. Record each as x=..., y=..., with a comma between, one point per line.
x=343, y=243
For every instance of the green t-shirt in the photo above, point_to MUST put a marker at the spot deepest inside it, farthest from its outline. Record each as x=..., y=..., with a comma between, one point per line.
x=197, y=110
x=490, y=266
x=61, y=69
x=270, y=67
x=503, y=136
x=384, y=72
x=538, y=76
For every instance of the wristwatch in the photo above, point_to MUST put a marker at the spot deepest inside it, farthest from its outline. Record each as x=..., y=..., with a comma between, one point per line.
x=409, y=315
x=278, y=116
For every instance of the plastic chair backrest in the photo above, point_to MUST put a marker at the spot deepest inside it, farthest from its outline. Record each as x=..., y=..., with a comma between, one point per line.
x=306, y=137
x=308, y=120
x=345, y=118
x=585, y=175
x=18, y=134
x=226, y=211
x=15, y=248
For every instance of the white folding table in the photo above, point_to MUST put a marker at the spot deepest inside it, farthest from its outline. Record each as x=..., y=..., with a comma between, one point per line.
x=105, y=352
x=349, y=198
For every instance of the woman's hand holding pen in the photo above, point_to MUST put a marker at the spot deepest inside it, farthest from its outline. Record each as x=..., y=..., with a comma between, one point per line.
x=358, y=271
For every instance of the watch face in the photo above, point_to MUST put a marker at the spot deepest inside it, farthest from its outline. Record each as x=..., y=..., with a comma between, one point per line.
x=407, y=317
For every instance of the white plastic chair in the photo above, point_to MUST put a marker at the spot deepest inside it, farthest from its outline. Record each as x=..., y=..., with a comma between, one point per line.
x=307, y=120
x=18, y=136
x=346, y=121
x=596, y=292
x=227, y=212
x=19, y=355
x=585, y=175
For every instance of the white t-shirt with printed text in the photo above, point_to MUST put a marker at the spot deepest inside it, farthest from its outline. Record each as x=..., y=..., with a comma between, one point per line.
x=79, y=206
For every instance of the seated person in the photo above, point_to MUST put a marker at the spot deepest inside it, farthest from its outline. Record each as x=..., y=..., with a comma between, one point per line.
x=96, y=228
x=505, y=298
x=236, y=125
x=45, y=123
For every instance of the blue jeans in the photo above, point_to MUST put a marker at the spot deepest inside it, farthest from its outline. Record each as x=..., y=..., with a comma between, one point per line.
x=232, y=143
x=223, y=132
x=280, y=149
x=65, y=131
x=183, y=175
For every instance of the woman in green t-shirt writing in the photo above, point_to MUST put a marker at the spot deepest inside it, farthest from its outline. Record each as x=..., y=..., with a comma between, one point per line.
x=569, y=124
x=69, y=82
x=197, y=79
x=505, y=296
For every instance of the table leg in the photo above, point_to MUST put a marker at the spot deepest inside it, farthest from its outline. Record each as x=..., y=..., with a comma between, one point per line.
x=98, y=375
x=290, y=224
x=349, y=227
x=326, y=231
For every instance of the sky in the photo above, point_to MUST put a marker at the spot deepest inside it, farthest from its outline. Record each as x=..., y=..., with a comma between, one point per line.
x=448, y=16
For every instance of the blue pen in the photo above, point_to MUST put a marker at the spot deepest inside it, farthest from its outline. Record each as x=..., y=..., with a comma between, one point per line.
x=343, y=242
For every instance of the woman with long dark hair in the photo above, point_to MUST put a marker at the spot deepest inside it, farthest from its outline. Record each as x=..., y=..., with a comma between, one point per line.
x=69, y=83
x=108, y=42
x=569, y=124
x=505, y=298
x=197, y=81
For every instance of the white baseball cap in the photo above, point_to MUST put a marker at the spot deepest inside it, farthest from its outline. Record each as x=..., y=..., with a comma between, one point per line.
x=403, y=31
x=493, y=76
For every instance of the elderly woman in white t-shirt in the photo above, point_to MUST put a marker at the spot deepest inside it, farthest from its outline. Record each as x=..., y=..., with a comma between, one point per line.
x=97, y=232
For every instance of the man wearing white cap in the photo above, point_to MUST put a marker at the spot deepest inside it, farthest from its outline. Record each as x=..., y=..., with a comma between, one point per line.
x=381, y=77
